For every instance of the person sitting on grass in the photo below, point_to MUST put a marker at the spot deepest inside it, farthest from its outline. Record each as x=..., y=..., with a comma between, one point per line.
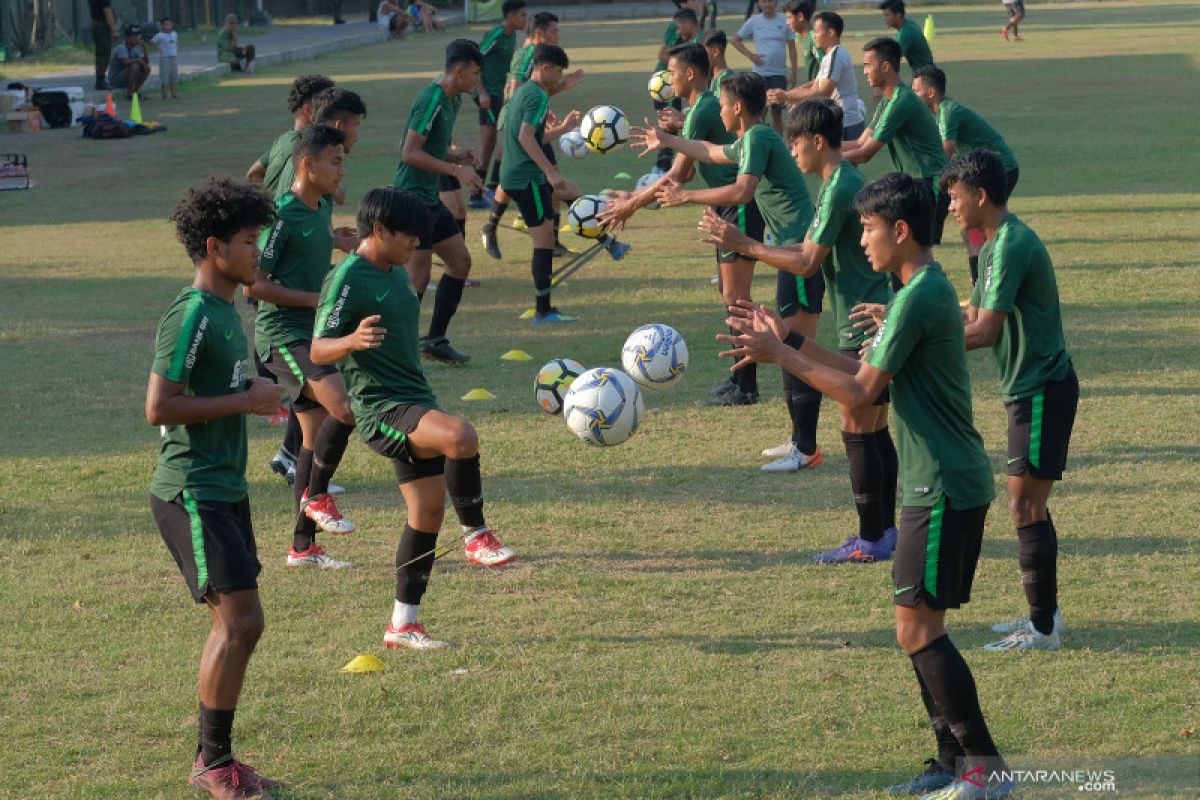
x=425, y=15
x=129, y=66
x=392, y=19
x=239, y=59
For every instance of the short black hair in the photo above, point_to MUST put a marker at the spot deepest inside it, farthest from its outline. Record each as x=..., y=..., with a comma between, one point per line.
x=543, y=20
x=692, y=55
x=511, y=6
x=164, y=19
x=817, y=115
x=933, y=76
x=550, y=54
x=715, y=39
x=462, y=51
x=980, y=168
x=894, y=6
x=887, y=48
x=800, y=8
x=219, y=207
x=831, y=19
x=749, y=89
x=686, y=15
x=899, y=196
x=395, y=209
x=336, y=103
x=305, y=88
x=312, y=140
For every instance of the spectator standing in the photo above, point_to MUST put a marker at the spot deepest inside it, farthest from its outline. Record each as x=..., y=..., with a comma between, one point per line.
x=167, y=42
x=104, y=30
x=774, y=55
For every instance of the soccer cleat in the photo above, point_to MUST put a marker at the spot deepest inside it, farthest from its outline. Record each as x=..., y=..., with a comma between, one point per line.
x=285, y=465
x=933, y=778
x=280, y=417
x=479, y=202
x=794, y=461
x=562, y=251
x=1020, y=622
x=1027, y=638
x=314, y=556
x=616, y=249
x=230, y=779
x=322, y=510
x=732, y=395
x=553, y=316
x=778, y=450
x=491, y=245
x=484, y=549
x=856, y=550
x=412, y=636
x=440, y=350
x=968, y=790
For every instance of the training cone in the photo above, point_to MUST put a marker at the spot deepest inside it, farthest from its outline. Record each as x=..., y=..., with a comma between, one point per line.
x=564, y=228
x=135, y=110
x=930, y=28
x=519, y=224
x=110, y=107
x=516, y=355
x=479, y=393
x=625, y=176
x=528, y=313
x=364, y=663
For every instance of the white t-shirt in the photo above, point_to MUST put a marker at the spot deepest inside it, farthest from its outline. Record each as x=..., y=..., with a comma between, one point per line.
x=770, y=37
x=837, y=67
x=167, y=43
x=385, y=20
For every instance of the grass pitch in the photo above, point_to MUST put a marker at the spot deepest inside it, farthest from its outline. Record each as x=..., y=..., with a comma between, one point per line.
x=663, y=634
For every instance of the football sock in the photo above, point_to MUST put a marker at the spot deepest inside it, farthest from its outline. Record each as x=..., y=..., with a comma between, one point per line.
x=556, y=218
x=304, y=463
x=804, y=407
x=948, y=748
x=328, y=449
x=1036, y=553
x=293, y=437
x=497, y=212
x=412, y=580
x=464, y=484
x=445, y=303
x=974, y=262
x=462, y=226
x=952, y=688
x=216, y=734
x=891, y=469
x=866, y=479
x=404, y=614
x=494, y=180
x=543, y=267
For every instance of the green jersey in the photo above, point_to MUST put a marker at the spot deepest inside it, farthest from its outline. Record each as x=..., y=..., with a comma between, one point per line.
x=200, y=344
x=1017, y=278
x=703, y=123
x=277, y=161
x=671, y=38
x=908, y=128
x=432, y=116
x=521, y=66
x=849, y=278
x=497, y=48
x=920, y=344
x=913, y=45
x=782, y=194
x=529, y=104
x=811, y=55
x=960, y=124
x=295, y=254
x=715, y=87
x=380, y=378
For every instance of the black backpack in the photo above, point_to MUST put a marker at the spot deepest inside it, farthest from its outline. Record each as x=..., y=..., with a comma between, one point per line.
x=55, y=108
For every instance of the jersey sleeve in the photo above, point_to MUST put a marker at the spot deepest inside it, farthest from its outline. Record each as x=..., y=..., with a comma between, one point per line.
x=1002, y=274
x=670, y=34
x=747, y=30
x=272, y=242
x=180, y=340
x=904, y=38
x=949, y=121
x=337, y=307
x=826, y=71
x=830, y=218
x=751, y=160
x=489, y=41
x=534, y=106
x=899, y=334
x=424, y=112
x=888, y=121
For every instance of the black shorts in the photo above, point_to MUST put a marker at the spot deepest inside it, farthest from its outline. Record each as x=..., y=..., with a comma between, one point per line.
x=1016, y=8
x=794, y=294
x=885, y=396
x=442, y=226
x=392, y=442
x=936, y=552
x=941, y=202
x=549, y=151
x=535, y=202
x=489, y=116
x=448, y=183
x=851, y=133
x=1039, y=429
x=775, y=82
x=212, y=543
x=748, y=220
x=291, y=367
x=1012, y=176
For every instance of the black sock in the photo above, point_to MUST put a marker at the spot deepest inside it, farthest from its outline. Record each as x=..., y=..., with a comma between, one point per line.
x=804, y=407
x=293, y=437
x=465, y=487
x=746, y=378
x=662, y=161
x=482, y=173
x=952, y=688
x=304, y=533
x=974, y=262
x=542, y=268
x=557, y=220
x=494, y=180
x=1037, y=552
x=462, y=225
x=497, y=212
x=304, y=463
x=891, y=471
x=216, y=732
x=412, y=580
x=948, y=748
x=866, y=479
x=445, y=303
x=328, y=449
x=305, y=530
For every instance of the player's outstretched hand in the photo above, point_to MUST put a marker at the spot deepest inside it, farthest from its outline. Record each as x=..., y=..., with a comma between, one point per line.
x=616, y=213
x=867, y=317
x=367, y=336
x=557, y=181
x=572, y=119
x=670, y=194
x=646, y=138
x=670, y=119
x=264, y=396
x=721, y=233
x=573, y=80
x=758, y=336
x=469, y=177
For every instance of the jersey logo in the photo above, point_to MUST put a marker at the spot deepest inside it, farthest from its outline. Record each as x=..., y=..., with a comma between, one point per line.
x=241, y=371
x=307, y=233
x=920, y=490
x=190, y=361
x=334, y=318
x=904, y=589
x=379, y=297
x=228, y=335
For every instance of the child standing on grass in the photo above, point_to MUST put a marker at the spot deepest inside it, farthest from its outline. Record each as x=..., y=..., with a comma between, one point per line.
x=167, y=42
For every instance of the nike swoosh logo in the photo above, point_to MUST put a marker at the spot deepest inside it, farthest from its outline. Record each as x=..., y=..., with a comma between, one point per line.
x=904, y=589
x=307, y=233
x=1012, y=460
x=379, y=297
x=228, y=335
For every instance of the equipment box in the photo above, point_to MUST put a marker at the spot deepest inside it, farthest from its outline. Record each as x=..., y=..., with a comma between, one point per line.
x=75, y=98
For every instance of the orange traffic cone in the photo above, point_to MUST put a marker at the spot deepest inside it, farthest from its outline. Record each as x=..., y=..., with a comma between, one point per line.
x=109, y=107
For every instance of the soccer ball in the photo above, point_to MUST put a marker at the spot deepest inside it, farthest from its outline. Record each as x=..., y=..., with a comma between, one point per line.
x=655, y=356
x=583, y=215
x=604, y=407
x=646, y=180
x=552, y=382
x=660, y=87
x=603, y=128
x=572, y=145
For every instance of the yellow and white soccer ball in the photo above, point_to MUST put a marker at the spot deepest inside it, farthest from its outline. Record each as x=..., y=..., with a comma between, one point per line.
x=660, y=87
x=604, y=128
x=552, y=382
x=584, y=216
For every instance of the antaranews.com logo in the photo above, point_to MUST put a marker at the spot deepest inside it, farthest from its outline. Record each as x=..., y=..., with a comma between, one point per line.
x=994, y=775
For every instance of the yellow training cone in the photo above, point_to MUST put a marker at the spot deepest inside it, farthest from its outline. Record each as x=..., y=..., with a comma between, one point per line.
x=135, y=113
x=519, y=224
x=528, y=313
x=364, y=663
x=623, y=176
x=479, y=393
x=564, y=228
x=516, y=355
x=930, y=29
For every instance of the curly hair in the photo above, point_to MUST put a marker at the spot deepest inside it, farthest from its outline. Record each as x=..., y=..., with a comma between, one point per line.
x=219, y=207
x=305, y=88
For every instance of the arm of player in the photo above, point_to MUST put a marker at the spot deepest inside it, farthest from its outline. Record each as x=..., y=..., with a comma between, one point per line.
x=168, y=404
x=863, y=150
x=794, y=95
x=528, y=139
x=799, y=259
x=793, y=70
x=412, y=152
x=739, y=45
x=257, y=173
x=738, y=193
x=983, y=327
x=568, y=82
x=651, y=139
x=569, y=122
x=366, y=336
x=264, y=288
x=618, y=212
x=949, y=146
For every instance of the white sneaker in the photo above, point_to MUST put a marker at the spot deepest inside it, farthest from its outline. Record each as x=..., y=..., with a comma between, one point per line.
x=314, y=556
x=486, y=550
x=794, y=461
x=779, y=450
x=412, y=636
x=1027, y=638
x=1020, y=622
x=336, y=489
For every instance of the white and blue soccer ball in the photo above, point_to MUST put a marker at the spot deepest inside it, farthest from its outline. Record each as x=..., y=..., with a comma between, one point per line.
x=660, y=87
x=603, y=407
x=584, y=216
x=655, y=356
x=553, y=381
x=604, y=128
x=572, y=145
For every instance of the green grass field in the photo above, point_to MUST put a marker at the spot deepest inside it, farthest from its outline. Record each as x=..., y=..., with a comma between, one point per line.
x=663, y=634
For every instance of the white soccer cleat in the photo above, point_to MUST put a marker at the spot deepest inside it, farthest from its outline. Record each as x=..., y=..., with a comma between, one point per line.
x=314, y=556
x=484, y=549
x=779, y=450
x=1021, y=621
x=794, y=461
x=411, y=637
x=1027, y=638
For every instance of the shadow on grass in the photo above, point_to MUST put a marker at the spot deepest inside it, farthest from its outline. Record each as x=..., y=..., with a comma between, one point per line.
x=1000, y=548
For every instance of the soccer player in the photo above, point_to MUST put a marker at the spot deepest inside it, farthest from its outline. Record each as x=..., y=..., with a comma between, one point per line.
x=833, y=247
x=199, y=392
x=913, y=44
x=715, y=43
x=1014, y=309
x=682, y=29
x=689, y=68
x=835, y=76
x=963, y=130
x=918, y=350
x=1016, y=13
x=295, y=259
x=274, y=169
x=773, y=43
x=497, y=47
x=799, y=16
x=367, y=319
x=424, y=155
x=768, y=174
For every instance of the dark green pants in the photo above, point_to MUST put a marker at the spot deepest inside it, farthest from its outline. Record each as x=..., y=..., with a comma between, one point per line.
x=103, y=38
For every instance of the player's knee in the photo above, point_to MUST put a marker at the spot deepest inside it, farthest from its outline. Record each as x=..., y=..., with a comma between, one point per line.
x=464, y=441
x=1023, y=510
x=246, y=628
x=341, y=410
x=427, y=519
